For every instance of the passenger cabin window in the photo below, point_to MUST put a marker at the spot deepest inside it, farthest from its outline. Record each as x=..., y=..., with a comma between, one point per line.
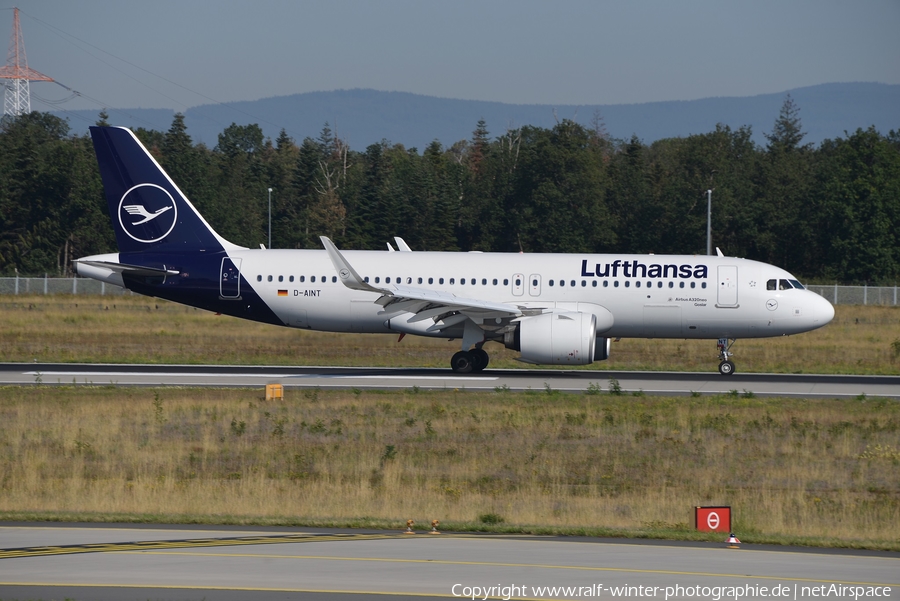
x=431, y=280
x=494, y=281
x=291, y=278
x=441, y=281
x=269, y=278
x=506, y=281
x=259, y=278
x=419, y=280
x=281, y=278
x=452, y=281
x=377, y=280
x=302, y=278
x=334, y=279
x=550, y=283
x=518, y=282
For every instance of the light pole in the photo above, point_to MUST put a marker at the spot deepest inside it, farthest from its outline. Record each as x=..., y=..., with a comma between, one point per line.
x=708, y=221
x=270, y=218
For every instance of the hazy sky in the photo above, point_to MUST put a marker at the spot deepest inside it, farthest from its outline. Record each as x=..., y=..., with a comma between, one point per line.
x=522, y=51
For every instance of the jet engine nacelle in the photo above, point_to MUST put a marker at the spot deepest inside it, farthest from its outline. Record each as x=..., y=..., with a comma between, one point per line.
x=601, y=349
x=563, y=338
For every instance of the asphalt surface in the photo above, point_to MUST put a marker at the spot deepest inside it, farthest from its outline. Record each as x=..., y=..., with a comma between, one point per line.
x=668, y=383
x=77, y=561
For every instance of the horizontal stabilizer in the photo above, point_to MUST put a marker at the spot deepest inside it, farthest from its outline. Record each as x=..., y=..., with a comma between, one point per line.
x=129, y=269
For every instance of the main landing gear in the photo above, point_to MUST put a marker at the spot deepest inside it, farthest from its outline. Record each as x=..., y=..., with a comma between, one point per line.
x=466, y=362
x=726, y=367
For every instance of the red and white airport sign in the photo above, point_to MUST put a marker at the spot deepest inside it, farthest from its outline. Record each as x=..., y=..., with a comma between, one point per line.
x=712, y=519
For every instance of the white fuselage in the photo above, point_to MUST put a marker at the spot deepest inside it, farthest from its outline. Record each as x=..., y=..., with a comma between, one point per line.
x=731, y=301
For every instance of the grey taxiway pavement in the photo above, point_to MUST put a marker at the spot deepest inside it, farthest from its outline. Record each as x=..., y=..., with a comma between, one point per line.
x=178, y=562
x=675, y=383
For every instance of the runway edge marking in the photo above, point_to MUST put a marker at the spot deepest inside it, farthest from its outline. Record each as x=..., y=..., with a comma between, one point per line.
x=182, y=543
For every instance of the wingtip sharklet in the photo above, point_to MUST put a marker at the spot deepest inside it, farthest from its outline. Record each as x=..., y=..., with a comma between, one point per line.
x=345, y=271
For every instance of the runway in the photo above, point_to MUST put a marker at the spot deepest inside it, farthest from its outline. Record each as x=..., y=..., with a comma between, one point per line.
x=182, y=562
x=661, y=383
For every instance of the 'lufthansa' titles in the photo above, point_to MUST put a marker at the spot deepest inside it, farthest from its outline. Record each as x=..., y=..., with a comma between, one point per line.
x=636, y=269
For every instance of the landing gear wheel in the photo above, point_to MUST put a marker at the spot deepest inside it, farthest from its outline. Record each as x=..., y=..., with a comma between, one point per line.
x=726, y=367
x=480, y=359
x=462, y=362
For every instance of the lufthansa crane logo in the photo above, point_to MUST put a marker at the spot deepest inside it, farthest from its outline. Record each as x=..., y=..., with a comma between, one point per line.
x=147, y=213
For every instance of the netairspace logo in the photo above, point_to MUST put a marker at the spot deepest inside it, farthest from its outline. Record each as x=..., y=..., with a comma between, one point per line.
x=715, y=593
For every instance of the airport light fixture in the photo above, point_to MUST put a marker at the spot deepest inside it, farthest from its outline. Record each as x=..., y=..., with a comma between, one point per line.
x=270, y=219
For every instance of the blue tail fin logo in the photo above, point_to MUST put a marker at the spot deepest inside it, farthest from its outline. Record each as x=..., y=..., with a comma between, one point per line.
x=149, y=212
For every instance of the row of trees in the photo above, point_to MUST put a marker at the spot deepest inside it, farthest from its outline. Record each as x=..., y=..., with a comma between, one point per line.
x=829, y=213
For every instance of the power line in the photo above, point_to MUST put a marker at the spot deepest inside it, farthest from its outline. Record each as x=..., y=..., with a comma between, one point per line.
x=62, y=34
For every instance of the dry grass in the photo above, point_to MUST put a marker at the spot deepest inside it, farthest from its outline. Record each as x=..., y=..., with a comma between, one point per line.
x=138, y=329
x=790, y=468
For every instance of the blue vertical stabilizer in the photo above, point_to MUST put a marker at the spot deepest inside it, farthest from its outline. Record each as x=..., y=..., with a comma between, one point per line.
x=148, y=211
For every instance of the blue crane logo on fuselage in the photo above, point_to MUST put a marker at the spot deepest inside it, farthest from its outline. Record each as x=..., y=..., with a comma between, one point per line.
x=147, y=213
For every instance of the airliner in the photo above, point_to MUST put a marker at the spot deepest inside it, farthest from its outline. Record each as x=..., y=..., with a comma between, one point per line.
x=554, y=309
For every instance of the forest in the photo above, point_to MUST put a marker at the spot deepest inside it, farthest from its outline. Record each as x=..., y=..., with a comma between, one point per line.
x=828, y=214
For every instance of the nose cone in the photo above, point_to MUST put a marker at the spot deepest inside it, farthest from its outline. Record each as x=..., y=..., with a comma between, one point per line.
x=820, y=310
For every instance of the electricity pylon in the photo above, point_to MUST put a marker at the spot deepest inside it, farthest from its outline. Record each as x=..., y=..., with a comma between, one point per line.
x=17, y=99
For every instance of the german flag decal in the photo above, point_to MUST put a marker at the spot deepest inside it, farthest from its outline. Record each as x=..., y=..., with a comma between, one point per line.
x=282, y=293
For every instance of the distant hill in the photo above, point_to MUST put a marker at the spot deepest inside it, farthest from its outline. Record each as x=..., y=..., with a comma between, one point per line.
x=363, y=117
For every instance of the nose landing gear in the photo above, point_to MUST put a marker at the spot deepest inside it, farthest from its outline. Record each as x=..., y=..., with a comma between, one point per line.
x=726, y=367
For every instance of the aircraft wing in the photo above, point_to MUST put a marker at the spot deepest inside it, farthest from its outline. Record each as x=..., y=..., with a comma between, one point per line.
x=445, y=308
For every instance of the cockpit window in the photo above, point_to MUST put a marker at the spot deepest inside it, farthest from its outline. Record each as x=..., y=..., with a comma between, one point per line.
x=797, y=284
x=784, y=285
x=771, y=284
